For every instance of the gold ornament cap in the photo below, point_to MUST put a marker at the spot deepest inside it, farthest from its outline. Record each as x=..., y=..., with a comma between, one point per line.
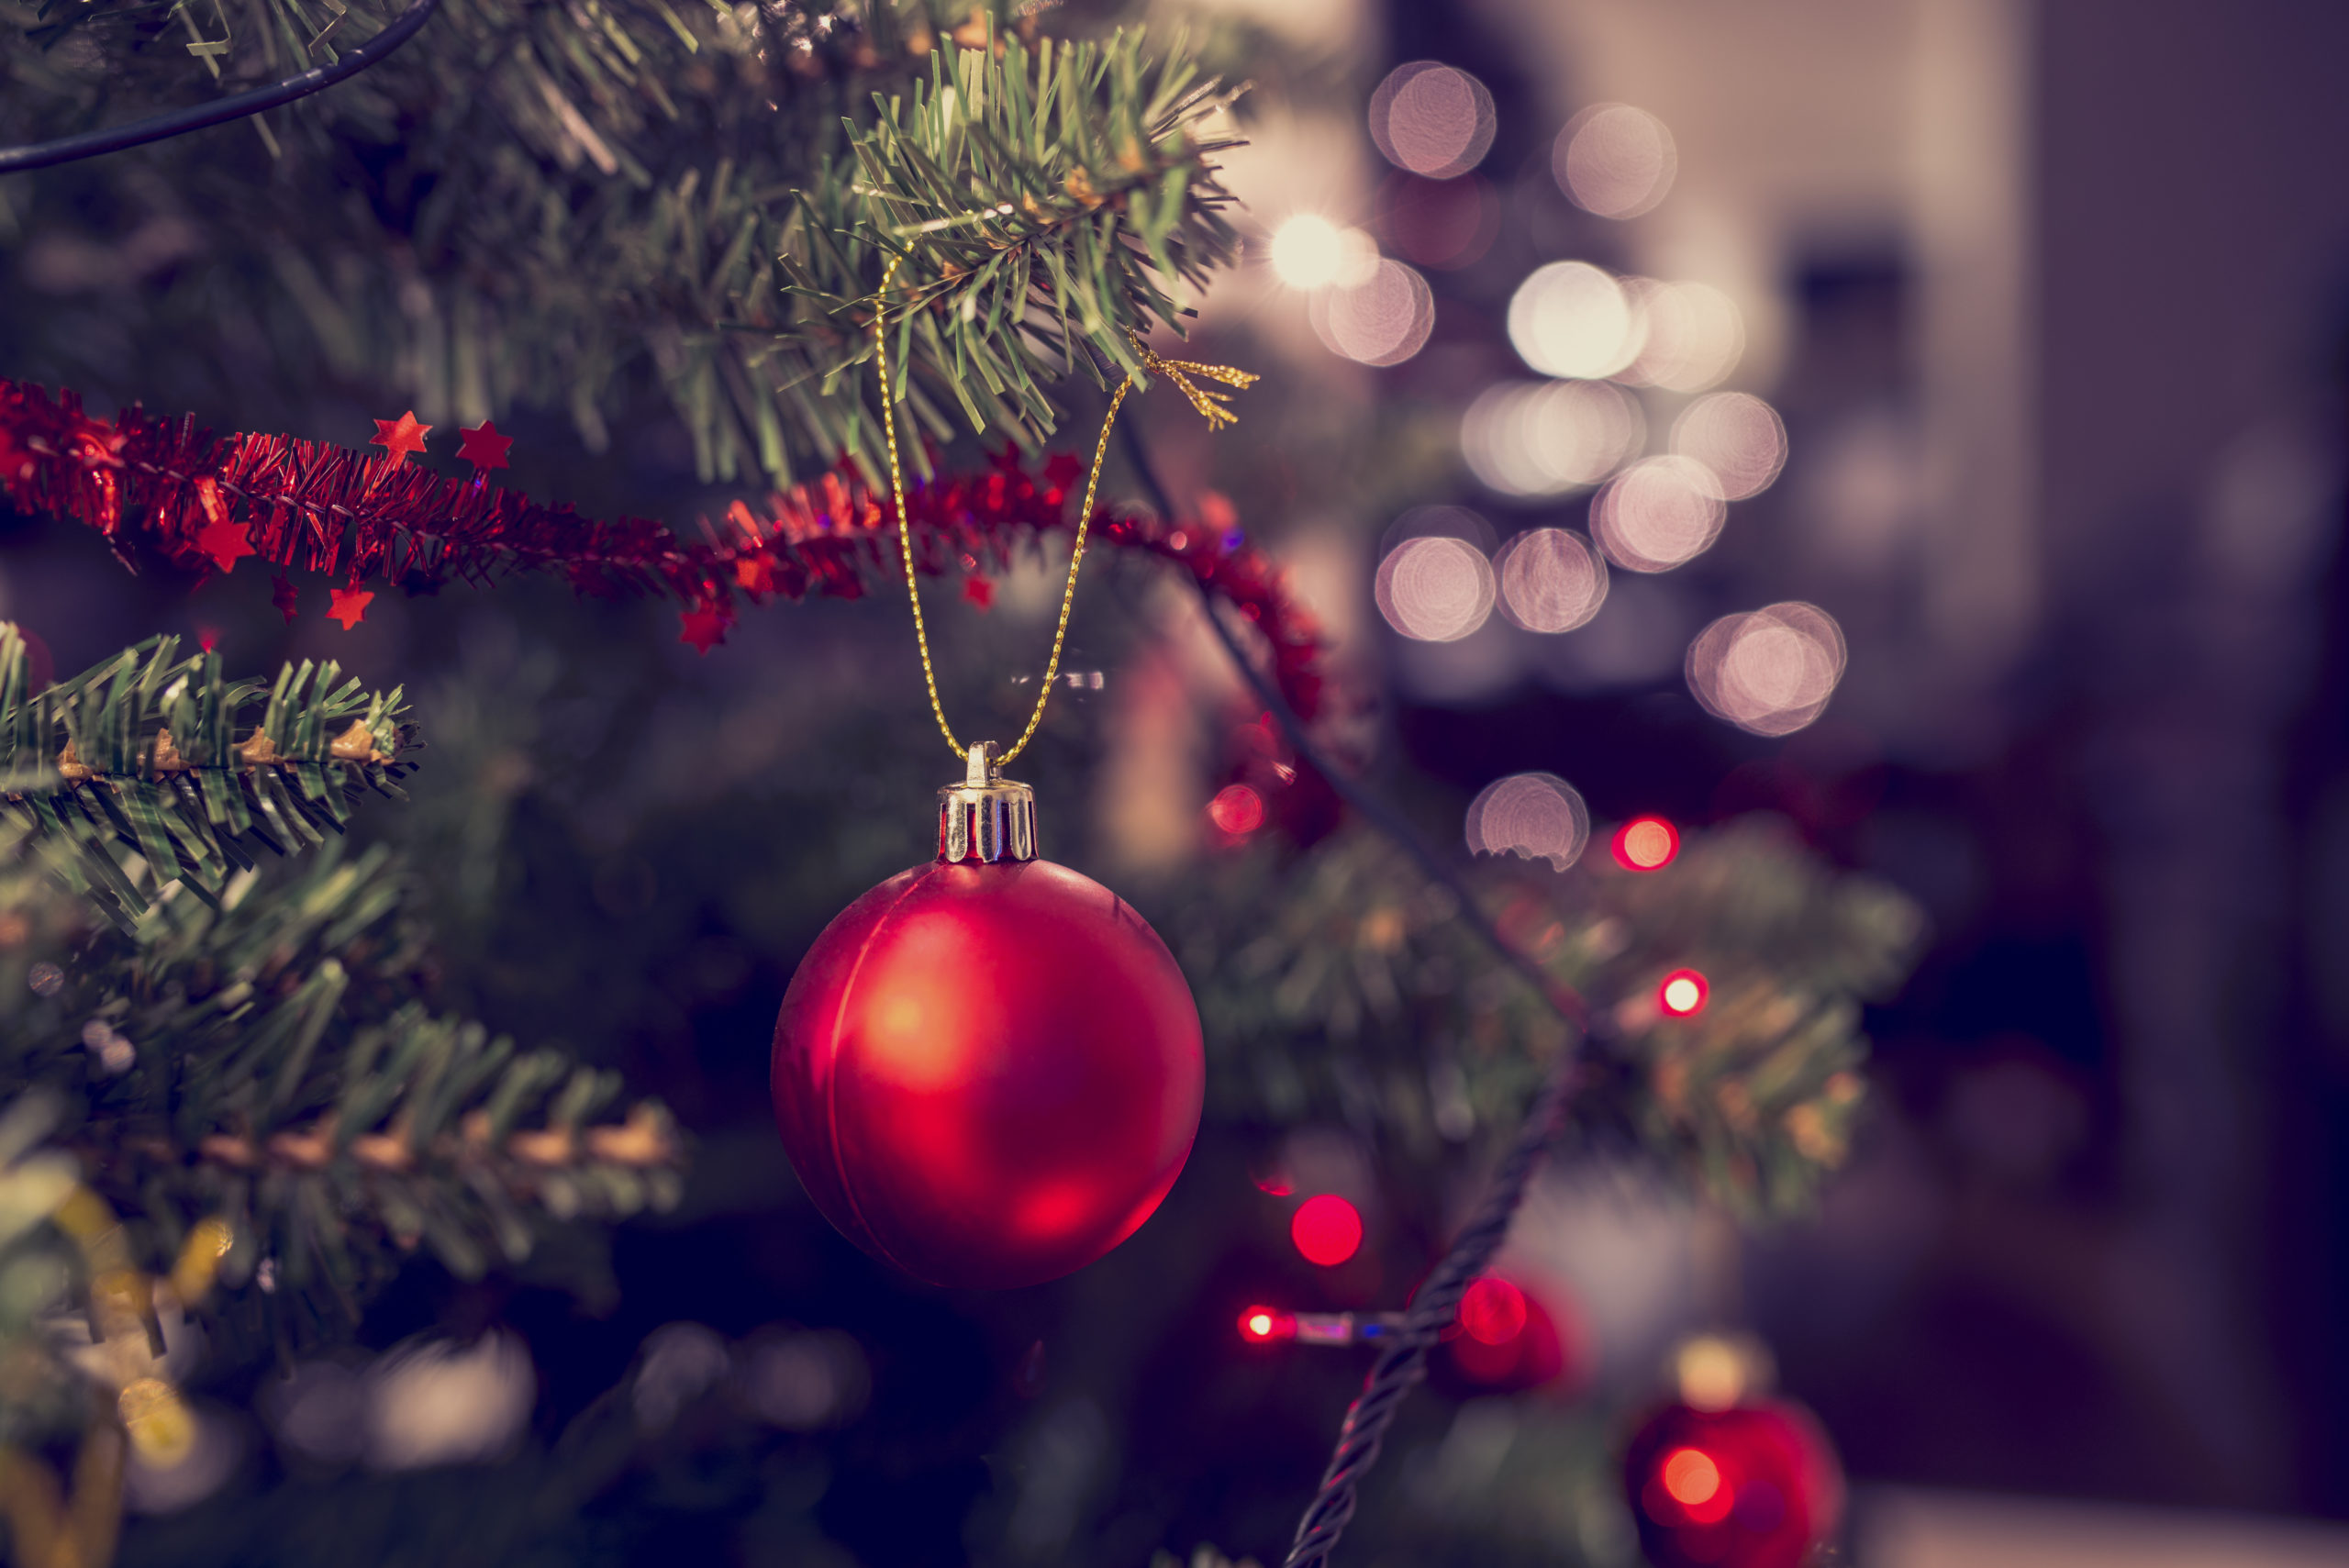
x=987, y=818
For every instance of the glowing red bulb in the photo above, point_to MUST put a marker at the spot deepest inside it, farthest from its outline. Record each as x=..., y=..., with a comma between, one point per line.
x=1327, y=1231
x=1237, y=809
x=1261, y=1325
x=1646, y=843
x=1682, y=993
x=1493, y=1311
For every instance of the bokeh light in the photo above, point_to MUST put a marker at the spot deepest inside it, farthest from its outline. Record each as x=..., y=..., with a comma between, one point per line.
x=804, y=1381
x=1551, y=580
x=1736, y=435
x=1682, y=993
x=1549, y=438
x=1770, y=672
x=1435, y=589
x=680, y=1362
x=1691, y=1477
x=1382, y=320
x=1615, y=161
x=1439, y=223
x=1432, y=120
x=436, y=1402
x=1570, y=318
x=1237, y=810
x=1538, y=815
x=1327, y=1231
x=1658, y=514
x=1691, y=335
x=1646, y=843
x=1492, y=1311
x=1308, y=251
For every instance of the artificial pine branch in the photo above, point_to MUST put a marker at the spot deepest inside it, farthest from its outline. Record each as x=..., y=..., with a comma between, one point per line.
x=567, y=205
x=1357, y=994
x=260, y=1064
x=152, y=771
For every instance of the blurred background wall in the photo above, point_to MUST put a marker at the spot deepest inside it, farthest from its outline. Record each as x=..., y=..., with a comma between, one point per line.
x=2050, y=298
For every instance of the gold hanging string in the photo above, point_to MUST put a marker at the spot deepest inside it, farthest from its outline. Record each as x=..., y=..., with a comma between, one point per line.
x=1211, y=407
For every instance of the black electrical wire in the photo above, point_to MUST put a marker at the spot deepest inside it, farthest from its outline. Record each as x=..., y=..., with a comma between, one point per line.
x=178, y=122
x=1402, y=1364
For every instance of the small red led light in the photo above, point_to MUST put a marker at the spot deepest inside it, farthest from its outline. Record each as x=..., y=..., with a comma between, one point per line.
x=1682, y=993
x=1327, y=1231
x=1261, y=1325
x=1646, y=843
x=1493, y=1311
x=1238, y=810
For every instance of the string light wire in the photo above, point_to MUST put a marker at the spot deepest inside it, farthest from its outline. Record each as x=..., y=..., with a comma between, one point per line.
x=178, y=122
x=1403, y=1363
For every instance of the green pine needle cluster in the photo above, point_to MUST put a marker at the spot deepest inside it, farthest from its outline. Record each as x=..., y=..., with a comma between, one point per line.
x=155, y=766
x=579, y=207
x=1356, y=995
x=215, y=1040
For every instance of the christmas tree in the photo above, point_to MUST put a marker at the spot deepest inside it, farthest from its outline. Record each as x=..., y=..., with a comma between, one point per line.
x=388, y=1166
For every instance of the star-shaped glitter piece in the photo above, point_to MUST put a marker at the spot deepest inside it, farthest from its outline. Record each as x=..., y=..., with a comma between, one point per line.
x=401, y=436
x=484, y=447
x=226, y=543
x=349, y=605
x=755, y=572
x=281, y=594
x=979, y=591
x=705, y=628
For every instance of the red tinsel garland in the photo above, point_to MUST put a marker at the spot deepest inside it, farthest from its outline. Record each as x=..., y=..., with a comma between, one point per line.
x=206, y=501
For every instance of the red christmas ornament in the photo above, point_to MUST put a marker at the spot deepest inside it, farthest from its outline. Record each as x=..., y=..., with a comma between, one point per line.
x=987, y=1069
x=1754, y=1486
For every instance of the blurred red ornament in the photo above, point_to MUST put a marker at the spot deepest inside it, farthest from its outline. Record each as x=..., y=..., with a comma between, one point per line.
x=1237, y=809
x=1682, y=993
x=1754, y=1486
x=987, y=1071
x=1646, y=843
x=1326, y=1230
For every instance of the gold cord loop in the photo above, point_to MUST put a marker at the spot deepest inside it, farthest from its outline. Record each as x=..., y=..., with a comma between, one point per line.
x=1210, y=406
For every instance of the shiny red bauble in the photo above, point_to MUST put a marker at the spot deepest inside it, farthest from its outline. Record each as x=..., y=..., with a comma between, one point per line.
x=1754, y=1486
x=988, y=1074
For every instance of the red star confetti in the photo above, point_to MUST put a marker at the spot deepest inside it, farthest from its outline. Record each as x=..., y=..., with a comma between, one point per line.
x=483, y=447
x=401, y=436
x=705, y=628
x=226, y=543
x=755, y=572
x=349, y=605
x=979, y=591
x=281, y=594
